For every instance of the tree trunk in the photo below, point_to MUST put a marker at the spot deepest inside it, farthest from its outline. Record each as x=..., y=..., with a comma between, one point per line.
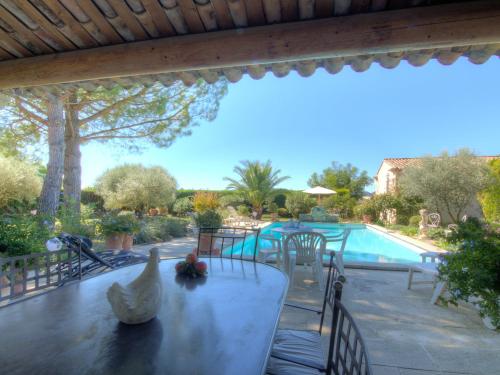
x=49, y=197
x=72, y=158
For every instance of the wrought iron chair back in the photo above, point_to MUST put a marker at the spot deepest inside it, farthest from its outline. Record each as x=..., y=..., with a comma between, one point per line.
x=347, y=354
x=227, y=242
x=334, y=283
x=434, y=219
x=308, y=246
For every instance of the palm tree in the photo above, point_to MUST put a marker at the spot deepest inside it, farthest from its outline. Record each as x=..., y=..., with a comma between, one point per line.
x=257, y=183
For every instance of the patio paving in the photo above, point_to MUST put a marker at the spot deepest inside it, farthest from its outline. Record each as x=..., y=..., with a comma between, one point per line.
x=176, y=248
x=404, y=333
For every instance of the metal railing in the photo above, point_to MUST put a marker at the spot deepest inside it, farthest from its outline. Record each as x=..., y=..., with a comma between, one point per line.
x=227, y=242
x=24, y=274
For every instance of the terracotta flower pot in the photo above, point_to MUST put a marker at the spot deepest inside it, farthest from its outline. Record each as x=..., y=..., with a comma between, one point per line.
x=115, y=241
x=207, y=244
x=128, y=241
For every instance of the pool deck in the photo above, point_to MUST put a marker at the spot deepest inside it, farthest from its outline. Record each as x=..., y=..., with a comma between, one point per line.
x=414, y=241
x=404, y=333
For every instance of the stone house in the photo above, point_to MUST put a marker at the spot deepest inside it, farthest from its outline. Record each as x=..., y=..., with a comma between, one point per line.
x=386, y=181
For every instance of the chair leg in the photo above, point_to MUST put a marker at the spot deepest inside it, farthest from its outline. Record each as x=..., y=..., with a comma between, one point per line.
x=339, y=259
x=291, y=269
x=410, y=277
x=438, y=291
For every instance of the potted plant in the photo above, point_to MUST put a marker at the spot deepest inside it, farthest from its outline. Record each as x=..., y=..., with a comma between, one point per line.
x=208, y=222
x=118, y=231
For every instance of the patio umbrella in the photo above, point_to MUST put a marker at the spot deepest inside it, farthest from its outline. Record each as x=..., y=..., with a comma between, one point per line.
x=319, y=191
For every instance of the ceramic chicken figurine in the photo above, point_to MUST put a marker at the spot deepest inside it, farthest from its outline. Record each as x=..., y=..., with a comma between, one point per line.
x=139, y=301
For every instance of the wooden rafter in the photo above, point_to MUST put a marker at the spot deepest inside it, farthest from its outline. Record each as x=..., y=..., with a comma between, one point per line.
x=351, y=37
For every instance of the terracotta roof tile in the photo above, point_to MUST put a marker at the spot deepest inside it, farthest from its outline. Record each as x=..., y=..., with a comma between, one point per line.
x=401, y=163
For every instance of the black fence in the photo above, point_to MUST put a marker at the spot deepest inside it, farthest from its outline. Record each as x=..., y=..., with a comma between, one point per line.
x=228, y=242
x=24, y=274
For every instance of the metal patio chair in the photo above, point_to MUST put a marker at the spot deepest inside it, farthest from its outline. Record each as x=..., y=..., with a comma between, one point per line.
x=301, y=352
x=434, y=220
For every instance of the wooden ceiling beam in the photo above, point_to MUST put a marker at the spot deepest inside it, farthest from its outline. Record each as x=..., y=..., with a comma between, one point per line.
x=441, y=26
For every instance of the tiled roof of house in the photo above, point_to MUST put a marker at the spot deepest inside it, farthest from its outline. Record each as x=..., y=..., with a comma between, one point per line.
x=402, y=163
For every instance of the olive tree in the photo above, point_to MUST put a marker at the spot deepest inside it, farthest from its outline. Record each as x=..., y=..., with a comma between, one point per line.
x=20, y=182
x=448, y=183
x=136, y=187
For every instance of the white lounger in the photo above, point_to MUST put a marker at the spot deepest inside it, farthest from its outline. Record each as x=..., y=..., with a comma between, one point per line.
x=430, y=268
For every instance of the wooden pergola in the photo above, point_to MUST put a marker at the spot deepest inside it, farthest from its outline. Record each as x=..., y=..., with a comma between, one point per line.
x=65, y=44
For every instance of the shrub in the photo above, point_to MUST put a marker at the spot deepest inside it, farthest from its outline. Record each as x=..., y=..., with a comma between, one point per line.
x=21, y=235
x=280, y=200
x=71, y=222
x=379, y=205
x=366, y=208
x=299, y=203
x=414, y=221
x=283, y=212
x=272, y=207
x=208, y=219
x=90, y=198
x=490, y=197
x=182, y=206
x=20, y=183
x=183, y=193
x=473, y=270
x=409, y=231
x=436, y=233
x=243, y=210
x=342, y=203
x=121, y=223
x=176, y=227
x=205, y=201
x=160, y=229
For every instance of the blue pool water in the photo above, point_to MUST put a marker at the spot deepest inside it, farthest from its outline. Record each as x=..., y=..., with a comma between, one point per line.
x=363, y=245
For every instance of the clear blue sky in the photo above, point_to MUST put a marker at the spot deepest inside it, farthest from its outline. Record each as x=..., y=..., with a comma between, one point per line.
x=302, y=124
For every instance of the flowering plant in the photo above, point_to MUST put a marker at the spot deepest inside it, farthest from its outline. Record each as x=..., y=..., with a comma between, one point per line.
x=191, y=267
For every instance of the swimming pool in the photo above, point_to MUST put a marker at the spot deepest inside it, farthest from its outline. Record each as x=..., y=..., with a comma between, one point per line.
x=364, y=244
